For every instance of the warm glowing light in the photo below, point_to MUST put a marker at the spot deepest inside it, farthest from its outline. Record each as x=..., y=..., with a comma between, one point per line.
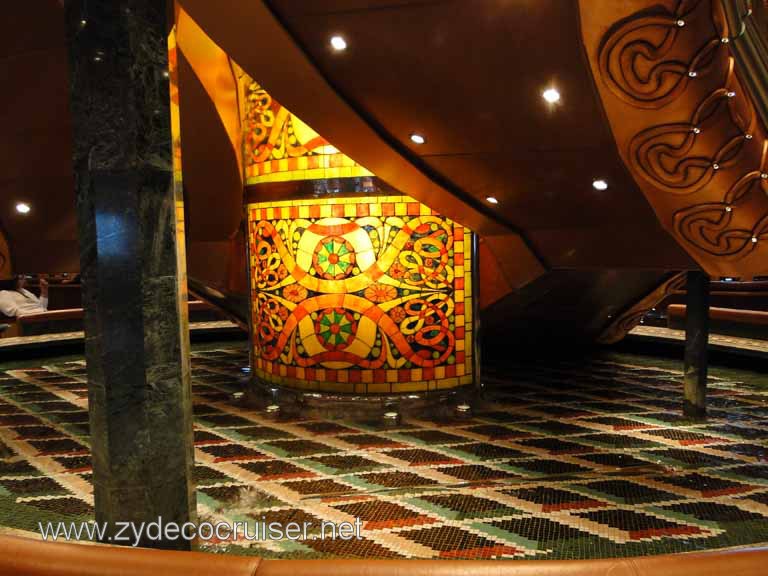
x=600, y=184
x=338, y=43
x=551, y=95
x=492, y=200
x=418, y=139
x=23, y=208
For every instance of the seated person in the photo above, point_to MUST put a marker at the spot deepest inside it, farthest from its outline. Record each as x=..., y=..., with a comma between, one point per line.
x=16, y=300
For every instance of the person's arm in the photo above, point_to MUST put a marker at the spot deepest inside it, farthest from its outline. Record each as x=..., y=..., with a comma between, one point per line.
x=44, y=293
x=7, y=304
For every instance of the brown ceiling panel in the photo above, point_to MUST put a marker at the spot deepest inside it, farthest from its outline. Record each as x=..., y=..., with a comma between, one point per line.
x=469, y=76
x=251, y=35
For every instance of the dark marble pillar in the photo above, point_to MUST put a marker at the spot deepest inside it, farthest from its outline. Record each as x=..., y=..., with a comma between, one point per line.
x=132, y=265
x=696, y=340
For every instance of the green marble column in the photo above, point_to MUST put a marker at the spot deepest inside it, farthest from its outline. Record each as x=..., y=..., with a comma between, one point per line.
x=696, y=341
x=132, y=265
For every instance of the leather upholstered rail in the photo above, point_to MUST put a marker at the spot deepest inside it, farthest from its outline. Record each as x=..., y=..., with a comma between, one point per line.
x=27, y=557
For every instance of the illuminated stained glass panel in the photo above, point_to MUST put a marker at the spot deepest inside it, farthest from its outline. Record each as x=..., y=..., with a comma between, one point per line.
x=365, y=295
x=279, y=147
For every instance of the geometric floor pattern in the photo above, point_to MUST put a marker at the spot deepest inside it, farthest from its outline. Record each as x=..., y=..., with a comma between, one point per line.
x=563, y=461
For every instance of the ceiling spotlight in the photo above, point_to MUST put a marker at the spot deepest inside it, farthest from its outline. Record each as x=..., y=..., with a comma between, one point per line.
x=338, y=43
x=166, y=74
x=600, y=184
x=418, y=139
x=83, y=23
x=23, y=208
x=492, y=200
x=551, y=95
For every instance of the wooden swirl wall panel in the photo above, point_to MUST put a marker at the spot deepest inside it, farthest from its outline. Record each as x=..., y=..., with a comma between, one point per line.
x=685, y=124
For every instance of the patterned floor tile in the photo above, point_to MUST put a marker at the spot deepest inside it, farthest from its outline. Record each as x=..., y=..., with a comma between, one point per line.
x=420, y=457
x=299, y=447
x=713, y=512
x=640, y=526
x=544, y=467
x=707, y=486
x=475, y=473
x=345, y=464
x=395, y=479
x=627, y=492
x=554, y=499
x=556, y=446
x=614, y=460
x=322, y=487
x=488, y=452
x=453, y=542
x=572, y=460
x=684, y=437
x=539, y=533
x=365, y=441
x=378, y=514
x=276, y=470
x=464, y=506
x=496, y=432
x=232, y=452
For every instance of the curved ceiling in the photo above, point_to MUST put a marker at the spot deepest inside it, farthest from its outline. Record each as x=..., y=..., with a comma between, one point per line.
x=459, y=73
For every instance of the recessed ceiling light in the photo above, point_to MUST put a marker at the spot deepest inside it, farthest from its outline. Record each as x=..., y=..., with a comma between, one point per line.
x=23, y=208
x=599, y=184
x=492, y=200
x=338, y=43
x=418, y=139
x=551, y=95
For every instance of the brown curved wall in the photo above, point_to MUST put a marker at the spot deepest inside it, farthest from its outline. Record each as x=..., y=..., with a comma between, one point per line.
x=35, y=151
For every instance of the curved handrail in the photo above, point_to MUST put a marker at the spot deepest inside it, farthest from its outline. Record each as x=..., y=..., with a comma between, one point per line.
x=26, y=557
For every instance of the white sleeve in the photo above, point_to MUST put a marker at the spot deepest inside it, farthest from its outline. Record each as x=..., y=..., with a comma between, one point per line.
x=44, y=302
x=7, y=303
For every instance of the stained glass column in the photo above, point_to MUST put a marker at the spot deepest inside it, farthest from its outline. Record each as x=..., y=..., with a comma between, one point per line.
x=356, y=288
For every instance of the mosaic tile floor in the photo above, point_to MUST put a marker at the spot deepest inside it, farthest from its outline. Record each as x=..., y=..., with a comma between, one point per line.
x=567, y=461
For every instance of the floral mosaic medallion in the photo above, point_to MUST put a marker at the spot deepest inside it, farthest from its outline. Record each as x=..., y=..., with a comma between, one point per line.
x=335, y=327
x=334, y=258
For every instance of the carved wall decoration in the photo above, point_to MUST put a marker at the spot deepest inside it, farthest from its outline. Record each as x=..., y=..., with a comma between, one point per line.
x=365, y=295
x=686, y=125
x=667, y=156
x=637, y=61
x=625, y=322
